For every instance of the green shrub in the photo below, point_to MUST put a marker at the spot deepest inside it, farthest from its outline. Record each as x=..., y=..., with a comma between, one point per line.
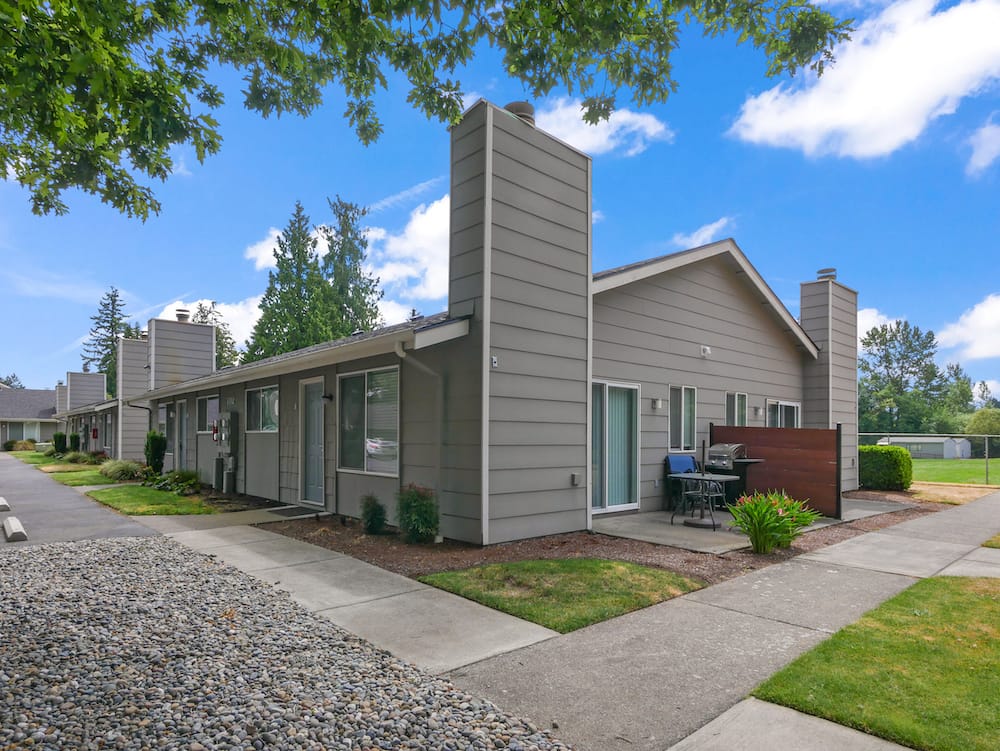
x=80, y=457
x=74, y=442
x=884, y=467
x=155, y=449
x=122, y=470
x=180, y=481
x=59, y=442
x=771, y=520
x=372, y=515
x=50, y=451
x=9, y=445
x=27, y=444
x=418, y=514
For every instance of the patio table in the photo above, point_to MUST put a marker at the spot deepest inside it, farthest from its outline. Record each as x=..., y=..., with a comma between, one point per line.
x=702, y=478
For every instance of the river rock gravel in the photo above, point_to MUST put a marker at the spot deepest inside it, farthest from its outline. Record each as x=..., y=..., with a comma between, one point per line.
x=141, y=643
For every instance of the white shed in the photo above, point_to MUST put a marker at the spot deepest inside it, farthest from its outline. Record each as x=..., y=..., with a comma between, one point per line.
x=931, y=446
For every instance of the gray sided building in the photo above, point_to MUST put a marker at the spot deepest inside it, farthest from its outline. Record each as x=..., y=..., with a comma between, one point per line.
x=544, y=394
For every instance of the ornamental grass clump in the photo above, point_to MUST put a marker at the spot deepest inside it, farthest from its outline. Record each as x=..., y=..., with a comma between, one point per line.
x=771, y=520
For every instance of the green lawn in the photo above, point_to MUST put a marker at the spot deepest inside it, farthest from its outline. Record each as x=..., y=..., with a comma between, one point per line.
x=963, y=471
x=34, y=457
x=993, y=542
x=78, y=478
x=565, y=594
x=921, y=670
x=137, y=500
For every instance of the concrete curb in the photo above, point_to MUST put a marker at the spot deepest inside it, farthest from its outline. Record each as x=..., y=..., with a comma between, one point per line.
x=13, y=530
x=4, y=506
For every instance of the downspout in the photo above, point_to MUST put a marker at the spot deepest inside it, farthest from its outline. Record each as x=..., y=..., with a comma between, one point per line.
x=439, y=399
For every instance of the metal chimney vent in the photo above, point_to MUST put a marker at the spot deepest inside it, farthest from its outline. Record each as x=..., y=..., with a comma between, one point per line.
x=183, y=315
x=824, y=274
x=522, y=111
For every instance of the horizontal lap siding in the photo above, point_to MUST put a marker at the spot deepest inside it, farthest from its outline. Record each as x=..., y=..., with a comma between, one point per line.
x=180, y=351
x=85, y=388
x=540, y=268
x=650, y=333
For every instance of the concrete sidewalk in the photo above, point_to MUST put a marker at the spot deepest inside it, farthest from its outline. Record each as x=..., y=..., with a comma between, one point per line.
x=51, y=512
x=679, y=672
x=435, y=630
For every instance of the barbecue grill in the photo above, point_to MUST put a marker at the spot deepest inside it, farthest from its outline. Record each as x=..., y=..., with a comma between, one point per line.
x=723, y=455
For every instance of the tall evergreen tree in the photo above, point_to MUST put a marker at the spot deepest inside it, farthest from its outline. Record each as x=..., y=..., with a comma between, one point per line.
x=226, y=353
x=354, y=294
x=295, y=306
x=11, y=381
x=101, y=348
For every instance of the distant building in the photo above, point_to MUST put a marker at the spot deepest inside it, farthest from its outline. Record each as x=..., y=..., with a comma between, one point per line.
x=931, y=446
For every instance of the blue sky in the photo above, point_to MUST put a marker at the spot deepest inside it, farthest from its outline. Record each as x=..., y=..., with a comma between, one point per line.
x=887, y=168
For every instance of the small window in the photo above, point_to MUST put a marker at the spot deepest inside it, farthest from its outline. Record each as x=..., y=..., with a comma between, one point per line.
x=369, y=422
x=208, y=413
x=161, y=419
x=262, y=410
x=170, y=426
x=683, y=417
x=736, y=409
x=782, y=414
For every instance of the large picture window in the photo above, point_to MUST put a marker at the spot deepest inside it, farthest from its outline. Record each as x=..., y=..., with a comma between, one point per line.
x=782, y=414
x=736, y=409
x=369, y=422
x=262, y=409
x=208, y=413
x=683, y=417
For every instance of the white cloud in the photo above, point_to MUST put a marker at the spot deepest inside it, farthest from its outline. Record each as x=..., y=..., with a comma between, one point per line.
x=405, y=195
x=993, y=386
x=37, y=282
x=977, y=332
x=262, y=251
x=870, y=318
x=703, y=235
x=625, y=132
x=902, y=69
x=413, y=265
x=394, y=312
x=596, y=216
x=241, y=316
x=985, y=144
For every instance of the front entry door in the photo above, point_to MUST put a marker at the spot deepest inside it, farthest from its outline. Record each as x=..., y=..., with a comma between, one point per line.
x=180, y=455
x=312, y=441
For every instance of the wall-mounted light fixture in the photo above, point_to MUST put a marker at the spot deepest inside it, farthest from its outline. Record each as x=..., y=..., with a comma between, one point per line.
x=756, y=411
x=706, y=351
x=657, y=404
x=327, y=397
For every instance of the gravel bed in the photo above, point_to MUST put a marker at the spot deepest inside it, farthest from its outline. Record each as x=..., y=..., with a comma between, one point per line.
x=140, y=643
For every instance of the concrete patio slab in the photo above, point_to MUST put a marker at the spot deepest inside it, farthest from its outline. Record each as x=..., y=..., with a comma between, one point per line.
x=894, y=554
x=754, y=725
x=206, y=539
x=787, y=592
x=437, y=630
x=642, y=681
x=655, y=527
x=273, y=553
x=338, y=582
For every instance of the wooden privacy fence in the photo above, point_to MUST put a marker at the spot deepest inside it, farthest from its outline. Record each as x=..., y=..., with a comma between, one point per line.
x=804, y=462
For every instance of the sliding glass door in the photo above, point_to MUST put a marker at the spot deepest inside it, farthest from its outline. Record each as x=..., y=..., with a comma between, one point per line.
x=615, y=447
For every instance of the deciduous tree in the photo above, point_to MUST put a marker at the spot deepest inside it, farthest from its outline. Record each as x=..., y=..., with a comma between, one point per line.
x=95, y=93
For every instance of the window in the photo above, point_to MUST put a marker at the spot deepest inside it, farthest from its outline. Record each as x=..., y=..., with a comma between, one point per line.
x=682, y=418
x=170, y=425
x=782, y=414
x=208, y=413
x=614, y=446
x=736, y=409
x=369, y=421
x=262, y=410
x=161, y=419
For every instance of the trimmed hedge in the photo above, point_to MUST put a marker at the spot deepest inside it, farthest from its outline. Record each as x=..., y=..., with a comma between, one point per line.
x=59, y=443
x=155, y=450
x=884, y=467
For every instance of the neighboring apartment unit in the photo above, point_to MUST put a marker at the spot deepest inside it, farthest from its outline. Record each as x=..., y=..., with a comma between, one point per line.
x=545, y=394
x=27, y=413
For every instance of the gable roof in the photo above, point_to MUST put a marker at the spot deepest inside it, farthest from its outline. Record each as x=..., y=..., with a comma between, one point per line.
x=635, y=272
x=27, y=404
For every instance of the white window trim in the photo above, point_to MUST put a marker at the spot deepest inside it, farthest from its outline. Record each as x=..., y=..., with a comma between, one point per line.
x=782, y=403
x=399, y=401
x=606, y=509
x=736, y=408
x=197, y=410
x=246, y=406
x=670, y=438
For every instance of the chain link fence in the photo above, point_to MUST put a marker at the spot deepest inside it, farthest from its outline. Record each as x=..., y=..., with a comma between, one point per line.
x=972, y=454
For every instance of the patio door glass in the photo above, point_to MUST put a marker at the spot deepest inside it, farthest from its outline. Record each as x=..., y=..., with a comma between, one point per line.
x=615, y=467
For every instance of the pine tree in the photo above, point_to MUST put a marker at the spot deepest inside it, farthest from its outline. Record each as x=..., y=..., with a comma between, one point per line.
x=101, y=349
x=11, y=381
x=226, y=353
x=295, y=306
x=354, y=294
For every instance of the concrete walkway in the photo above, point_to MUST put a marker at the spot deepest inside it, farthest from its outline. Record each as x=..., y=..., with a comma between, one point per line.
x=679, y=672
x=51, y=512
x=435, y=630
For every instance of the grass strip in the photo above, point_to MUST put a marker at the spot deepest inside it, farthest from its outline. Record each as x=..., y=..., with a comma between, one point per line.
x=993, y=542
x=79, y=478
x=564, y=594
x=138, y=500
x=34, y=457
x=921, y=670
x=960, y=471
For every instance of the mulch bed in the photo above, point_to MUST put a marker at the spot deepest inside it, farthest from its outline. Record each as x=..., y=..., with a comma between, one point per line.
x=389, y=552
